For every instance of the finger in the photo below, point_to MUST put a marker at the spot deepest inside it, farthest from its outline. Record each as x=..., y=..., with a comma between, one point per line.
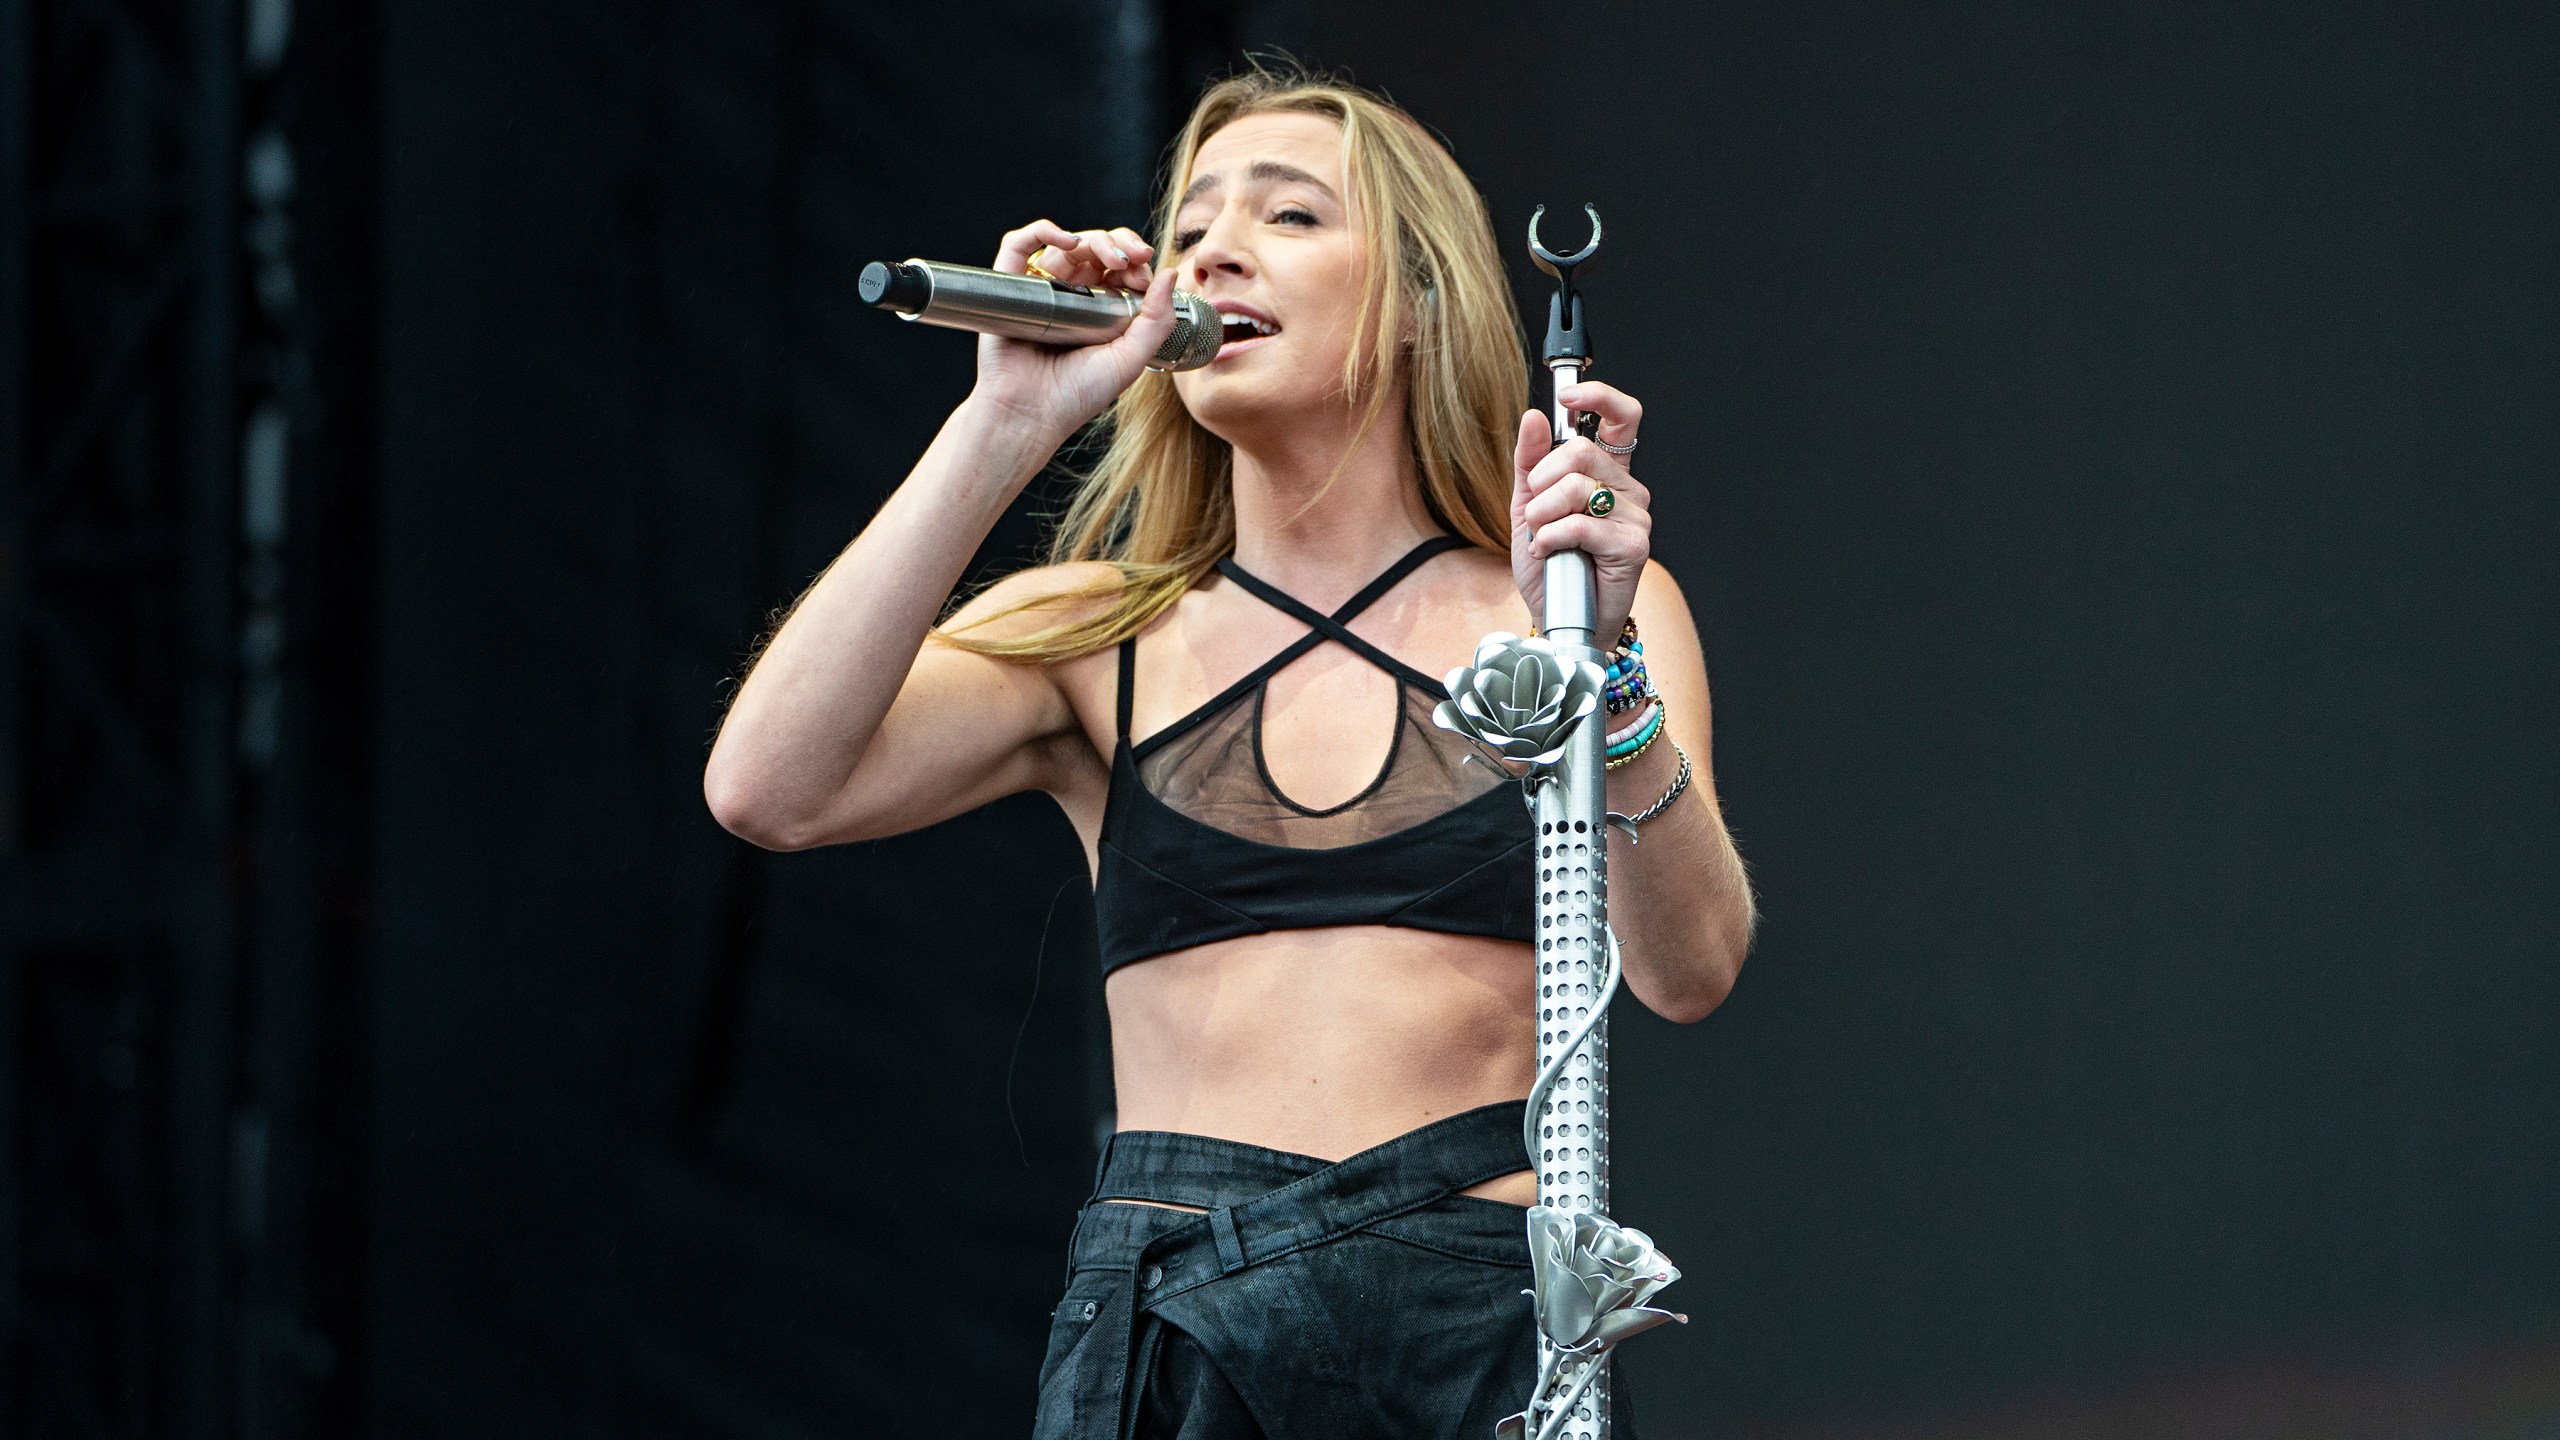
x=1110, y=260
x=1572, y=494
x=1604, y=540
x=1116, y=258
x=1146, y=333
x=1141, y=254
x=1080, y=262
x=1537, y=437
x=1619, y=413
x=1569, y=495
x=1577, y=456
x=1013, y=256
x=1105, y=250
x=1083, y=257
x=1634, y=504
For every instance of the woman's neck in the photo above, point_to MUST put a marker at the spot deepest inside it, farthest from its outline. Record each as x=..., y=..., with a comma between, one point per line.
x=1319, y=527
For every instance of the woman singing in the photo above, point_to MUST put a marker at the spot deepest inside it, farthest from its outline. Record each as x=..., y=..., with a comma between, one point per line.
x=1314, y=917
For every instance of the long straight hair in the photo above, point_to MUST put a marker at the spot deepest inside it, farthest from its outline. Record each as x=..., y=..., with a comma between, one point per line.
x=1159, y=505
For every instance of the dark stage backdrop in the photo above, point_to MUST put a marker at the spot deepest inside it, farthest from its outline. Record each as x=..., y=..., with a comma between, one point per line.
x=678, y=1138
x=2110, y=454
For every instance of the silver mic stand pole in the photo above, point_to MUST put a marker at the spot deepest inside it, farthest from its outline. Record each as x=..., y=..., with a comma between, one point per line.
x=1538, y=705
x=1573, y=873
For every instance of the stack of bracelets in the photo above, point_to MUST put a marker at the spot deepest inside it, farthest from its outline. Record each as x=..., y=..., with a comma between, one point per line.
x=1627, y=687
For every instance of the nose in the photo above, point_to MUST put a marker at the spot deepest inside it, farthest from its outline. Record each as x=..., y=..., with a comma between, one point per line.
x=1224, y=249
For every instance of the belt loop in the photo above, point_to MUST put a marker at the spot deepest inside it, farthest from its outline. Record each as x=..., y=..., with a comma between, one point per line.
x=1222, y=1224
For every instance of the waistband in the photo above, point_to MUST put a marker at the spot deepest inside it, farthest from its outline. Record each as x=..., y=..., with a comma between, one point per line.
x=1262, y=1205
x=1194, y=1169
x=1201, y=1170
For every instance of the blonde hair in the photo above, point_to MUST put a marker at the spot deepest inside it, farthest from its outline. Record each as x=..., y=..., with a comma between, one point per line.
x=1158, y=506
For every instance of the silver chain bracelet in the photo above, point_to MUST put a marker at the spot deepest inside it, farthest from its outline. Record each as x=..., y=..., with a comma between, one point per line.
x=1679, y=783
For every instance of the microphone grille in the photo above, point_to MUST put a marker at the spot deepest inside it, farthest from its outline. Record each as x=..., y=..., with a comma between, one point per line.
x=1197, y=333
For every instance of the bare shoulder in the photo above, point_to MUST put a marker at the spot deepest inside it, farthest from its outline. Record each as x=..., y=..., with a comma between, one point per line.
x=1019, y=607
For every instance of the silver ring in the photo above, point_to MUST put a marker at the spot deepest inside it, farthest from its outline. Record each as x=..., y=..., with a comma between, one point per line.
x=1627, y=449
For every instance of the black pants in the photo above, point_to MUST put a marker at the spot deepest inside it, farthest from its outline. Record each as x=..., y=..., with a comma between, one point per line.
x=1329, y=1301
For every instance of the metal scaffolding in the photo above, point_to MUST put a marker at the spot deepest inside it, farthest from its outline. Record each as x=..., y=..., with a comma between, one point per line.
x=154, y=937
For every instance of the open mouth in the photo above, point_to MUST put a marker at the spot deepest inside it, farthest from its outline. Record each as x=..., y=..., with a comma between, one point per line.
x=1246, y=327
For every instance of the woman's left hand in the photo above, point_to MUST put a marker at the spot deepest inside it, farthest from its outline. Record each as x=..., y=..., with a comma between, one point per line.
x=1551, y=489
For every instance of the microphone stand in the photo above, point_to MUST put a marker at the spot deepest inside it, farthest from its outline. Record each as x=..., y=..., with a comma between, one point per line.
x=1538, y=707
x=1572, y=836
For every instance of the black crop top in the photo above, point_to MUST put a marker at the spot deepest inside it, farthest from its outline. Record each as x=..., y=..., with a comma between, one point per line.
x=1199, y=844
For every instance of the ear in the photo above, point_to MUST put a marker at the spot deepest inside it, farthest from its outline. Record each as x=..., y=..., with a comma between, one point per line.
x=1422, y=317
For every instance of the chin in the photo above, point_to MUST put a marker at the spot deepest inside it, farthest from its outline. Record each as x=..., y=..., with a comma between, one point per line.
x=1229, y=409
x=1238, y=405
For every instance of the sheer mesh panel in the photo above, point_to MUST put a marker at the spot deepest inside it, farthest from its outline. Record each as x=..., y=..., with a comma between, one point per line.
x=1214, y=773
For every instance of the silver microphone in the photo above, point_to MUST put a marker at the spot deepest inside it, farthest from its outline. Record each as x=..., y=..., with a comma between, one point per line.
x=1026, y=307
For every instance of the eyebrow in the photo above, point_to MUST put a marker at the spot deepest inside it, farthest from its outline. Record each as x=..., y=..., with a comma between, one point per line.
x=1265, y=170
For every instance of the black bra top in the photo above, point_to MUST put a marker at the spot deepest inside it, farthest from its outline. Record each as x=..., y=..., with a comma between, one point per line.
x=1200, y=844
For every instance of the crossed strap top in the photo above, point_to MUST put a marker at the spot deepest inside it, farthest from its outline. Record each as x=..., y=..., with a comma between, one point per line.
x=1199, y=843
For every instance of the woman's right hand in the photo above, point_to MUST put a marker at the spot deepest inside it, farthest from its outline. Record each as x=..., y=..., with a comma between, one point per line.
x=1056, y=390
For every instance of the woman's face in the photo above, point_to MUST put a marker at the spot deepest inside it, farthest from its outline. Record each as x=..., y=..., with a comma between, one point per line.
x=1266, y=233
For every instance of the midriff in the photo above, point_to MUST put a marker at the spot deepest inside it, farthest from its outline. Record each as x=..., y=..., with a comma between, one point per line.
x=1325, y=1042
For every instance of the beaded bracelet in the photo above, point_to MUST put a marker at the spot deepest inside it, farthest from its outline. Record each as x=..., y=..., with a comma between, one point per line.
x=1626, y=685
x=1626, y=751
x=1624, y=695
x=1635, y=727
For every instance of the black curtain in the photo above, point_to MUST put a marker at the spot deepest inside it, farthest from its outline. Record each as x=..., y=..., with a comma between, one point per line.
x=676, y=1137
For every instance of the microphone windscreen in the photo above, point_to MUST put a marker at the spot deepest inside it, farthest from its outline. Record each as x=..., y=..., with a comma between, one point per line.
x=1198, y=331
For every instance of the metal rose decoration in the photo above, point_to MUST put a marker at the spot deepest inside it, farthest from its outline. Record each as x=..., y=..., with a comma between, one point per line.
x=1592, y=1277
x=1520, y=698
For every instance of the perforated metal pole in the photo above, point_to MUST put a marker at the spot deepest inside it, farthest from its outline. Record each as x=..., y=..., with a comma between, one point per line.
x=1573, y=879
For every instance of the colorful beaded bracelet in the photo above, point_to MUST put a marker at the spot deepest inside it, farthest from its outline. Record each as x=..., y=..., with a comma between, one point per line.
x=1627, y=751
x=1634, y=728
x=1624, y=697
x=1627, y=684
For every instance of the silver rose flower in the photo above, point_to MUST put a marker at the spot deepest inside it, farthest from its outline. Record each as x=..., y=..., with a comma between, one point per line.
x=1520, y=699
x=1592, y=1277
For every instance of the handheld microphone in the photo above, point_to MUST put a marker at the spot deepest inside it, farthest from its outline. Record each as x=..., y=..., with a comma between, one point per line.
x=1026, y=307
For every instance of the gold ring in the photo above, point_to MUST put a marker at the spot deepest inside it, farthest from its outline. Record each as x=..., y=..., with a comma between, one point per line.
x=1031, y=265
x=1602, y=501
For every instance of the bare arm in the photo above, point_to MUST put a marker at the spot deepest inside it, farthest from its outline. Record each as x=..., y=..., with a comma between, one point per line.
x=843, y=730
x=1680, y=901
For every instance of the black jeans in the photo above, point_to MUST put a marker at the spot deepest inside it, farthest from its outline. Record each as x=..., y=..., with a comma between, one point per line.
x=1329, y=1301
